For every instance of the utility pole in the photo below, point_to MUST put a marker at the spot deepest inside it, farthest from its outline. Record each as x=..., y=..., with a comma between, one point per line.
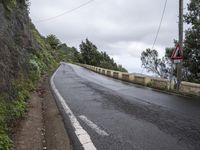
x=179, y=65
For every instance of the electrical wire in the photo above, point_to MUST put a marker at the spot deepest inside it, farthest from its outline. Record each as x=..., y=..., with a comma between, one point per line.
x=163, y=13
x=66, y=12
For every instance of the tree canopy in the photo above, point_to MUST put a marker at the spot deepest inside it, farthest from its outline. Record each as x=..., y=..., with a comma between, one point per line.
x=152, y=63
x=53, y=41
x=91, y=56
x=192, y=42
x=88, y=54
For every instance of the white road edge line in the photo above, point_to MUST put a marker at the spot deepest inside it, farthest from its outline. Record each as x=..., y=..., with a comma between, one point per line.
x=93, y=126
x=81, y=134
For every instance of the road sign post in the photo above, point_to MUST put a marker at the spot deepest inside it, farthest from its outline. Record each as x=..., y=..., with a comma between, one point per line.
x=177, y=53
x=177, y=57
x=179, y=65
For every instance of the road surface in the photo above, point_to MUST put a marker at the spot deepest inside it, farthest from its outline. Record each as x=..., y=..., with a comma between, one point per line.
x=117, y=115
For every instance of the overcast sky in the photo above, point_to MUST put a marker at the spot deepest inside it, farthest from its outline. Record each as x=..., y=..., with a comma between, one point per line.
x=122, y=28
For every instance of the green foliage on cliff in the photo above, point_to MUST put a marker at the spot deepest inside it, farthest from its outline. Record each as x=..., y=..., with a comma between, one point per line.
x=9, y=4
x=40, y=60
x=53, y=41
x=12, y=106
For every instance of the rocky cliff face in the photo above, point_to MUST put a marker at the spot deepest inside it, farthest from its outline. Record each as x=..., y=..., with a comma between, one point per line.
x=24, y=56
x=18, y=41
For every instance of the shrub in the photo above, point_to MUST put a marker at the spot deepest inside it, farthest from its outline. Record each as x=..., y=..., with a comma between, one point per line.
x=5, y=142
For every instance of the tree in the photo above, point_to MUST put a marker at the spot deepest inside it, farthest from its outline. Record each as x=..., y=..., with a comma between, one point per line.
x=151, y=62
x=69, y=54
x=122, y=69
x=53, y=41
x=192, y=42
x=88, y=51
x=91, y=56
x=76, y=55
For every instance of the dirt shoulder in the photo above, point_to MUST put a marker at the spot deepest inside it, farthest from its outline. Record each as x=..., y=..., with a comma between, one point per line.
x=42, y=127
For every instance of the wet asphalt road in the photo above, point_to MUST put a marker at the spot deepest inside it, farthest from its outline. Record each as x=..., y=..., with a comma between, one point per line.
x=134, y=117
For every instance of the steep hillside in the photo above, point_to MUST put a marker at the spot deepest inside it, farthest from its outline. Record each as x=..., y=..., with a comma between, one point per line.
x=20, y=43
x=24, y=57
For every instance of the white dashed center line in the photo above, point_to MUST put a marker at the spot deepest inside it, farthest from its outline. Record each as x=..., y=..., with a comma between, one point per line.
x=93, y=126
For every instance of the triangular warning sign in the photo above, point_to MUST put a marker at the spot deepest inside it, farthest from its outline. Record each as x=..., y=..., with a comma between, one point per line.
x=177, y=53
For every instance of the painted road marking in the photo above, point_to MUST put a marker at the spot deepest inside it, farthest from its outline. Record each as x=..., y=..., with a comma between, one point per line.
x=81, y=134
x=93, y=126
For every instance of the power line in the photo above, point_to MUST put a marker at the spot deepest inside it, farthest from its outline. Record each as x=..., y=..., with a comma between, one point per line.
x=66, y=12
x=163, y=13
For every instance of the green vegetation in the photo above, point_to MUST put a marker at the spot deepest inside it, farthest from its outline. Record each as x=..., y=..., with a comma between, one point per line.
x=13, y=102
x=192, y=43
x=152, y=63
x=68, y=54
x=91, y=56
x=88, y=54
x=53, y=41
x=12, y=106
x=9, y=5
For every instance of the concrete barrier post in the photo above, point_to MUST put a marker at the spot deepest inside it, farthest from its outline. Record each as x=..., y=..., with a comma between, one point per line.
x=119, y=75
x=125, y=76
x=115, y=74
x=190, y=88
x=131, y=77
x=108, y=73
x=147, y=80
